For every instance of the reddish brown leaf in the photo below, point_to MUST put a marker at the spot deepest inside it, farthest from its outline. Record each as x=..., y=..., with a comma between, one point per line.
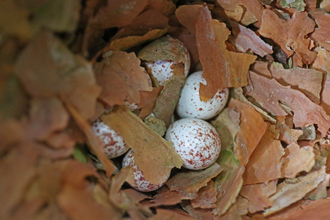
x=321, y=34
x=165, y=7
x=166, y=198
x=187, y=183
x=308, y=81
x=57, y=72
x=188, y=15
x=250, y=121
x=269, y=93
x=265, y=162
x=149, y=148
x=121, y=77
x=163, y=214
x=211, y=36
x=290, y=34
x=118, y=13
x=245, y=39
x=148, y=101
x=258, y=200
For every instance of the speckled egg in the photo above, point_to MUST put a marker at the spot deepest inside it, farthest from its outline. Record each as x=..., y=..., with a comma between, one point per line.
x=114, y=145
x=140, y=182
x=196, y=141
x=190, y=105
x=161, y=54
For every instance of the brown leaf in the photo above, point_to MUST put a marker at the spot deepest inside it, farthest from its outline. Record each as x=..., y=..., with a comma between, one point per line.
x=211, y=36
x=148, y=101
x=308, y=81
x=57, y=72
x=142, y=24
x=258, y=200
x=321, y=34
x=128, y=42
x=165, y=7
x=290, y=34
x=47, y=115
x=321, y=63
x=255, y=7
x=206, y=197
x=164, y=214
x=188, y=15
x=187, y=183
x=265, y=162
x=297, y=160
x=166, y=198
x=269, y=93
x=250, y=122
x=245, y=39
x=149, y=148
x=304, y=210
x=121, y=77
x=118, y=13
x=290, y=192
x=17, y=170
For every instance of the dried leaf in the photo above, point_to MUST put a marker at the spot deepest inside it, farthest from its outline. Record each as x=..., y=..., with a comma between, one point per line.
x=166, y=198
x=245, y=39
x=165, y=7
x=269, y=93
x=250, y=122
x=321, y=34
x=320, y=192
x=325, y=4
x=258, y=200
x=188, y=15
x=297, y=160
x=199, y=213
x=214, y=56
x=321, y=63
x=255, y=7
x=290, y=34
x=148, y=101
x=164, y=214
x=57, y=72
x=118, y=13
x=288, y=193
x=228, y=183
x=121, y=78
x=142, y=24
x=47, y=115
x=299, y=5
x=187, y=183
x=149, y=147
x=206, y=197
x=265, y=162
x=308, y=81
x=304, y=210
x=128, y=42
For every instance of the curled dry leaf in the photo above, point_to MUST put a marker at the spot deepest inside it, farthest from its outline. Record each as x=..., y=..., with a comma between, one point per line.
x=290, y=192
x=250, y=122
x=258, y=201
x=148, y=101
x=57, y=72
x=165, y=214
x=153, y=155
x=265, y=162
x=187, y=183
x=165, y=7
x=121, y=77
x=308, y=81
x=245, y=39
x=222, y=68
x=188, y=15
x=290, y=34
x=269, y=93
x=166, y=197
x=117, y=13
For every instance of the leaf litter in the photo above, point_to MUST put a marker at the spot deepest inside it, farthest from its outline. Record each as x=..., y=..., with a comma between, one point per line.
x=64, y=64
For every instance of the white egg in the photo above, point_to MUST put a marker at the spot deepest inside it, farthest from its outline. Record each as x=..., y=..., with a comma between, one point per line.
x=140, y=183
x=196, y=141
x=113, y=143
x=190, y=105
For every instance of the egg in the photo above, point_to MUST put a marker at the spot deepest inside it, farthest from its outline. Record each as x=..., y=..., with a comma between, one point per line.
x=190, y=105
x=196, y=141
x=113, y=143
x=140, y=183
x=160, y=55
